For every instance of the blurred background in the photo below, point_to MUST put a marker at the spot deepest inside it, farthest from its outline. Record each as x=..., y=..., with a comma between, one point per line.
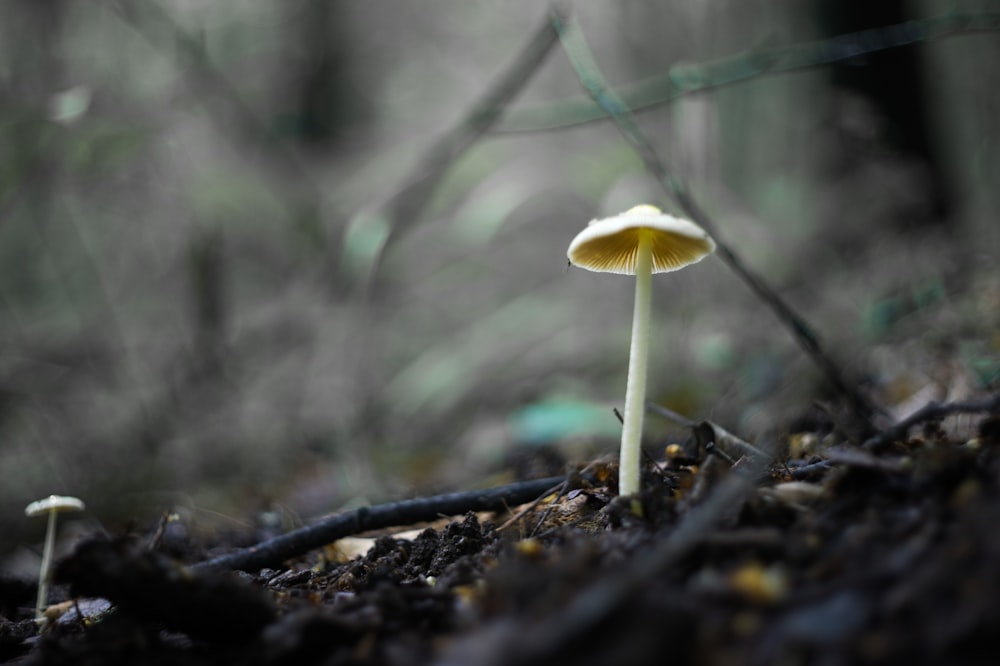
x=215, y=300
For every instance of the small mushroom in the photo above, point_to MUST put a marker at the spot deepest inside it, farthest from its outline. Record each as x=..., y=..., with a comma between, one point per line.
x=640, y=242
x=50, y=506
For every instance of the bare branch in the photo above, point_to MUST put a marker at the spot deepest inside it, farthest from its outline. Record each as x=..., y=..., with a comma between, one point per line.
x=933, y=411
x=407, y=512
x=406, y=205
x=744, y=66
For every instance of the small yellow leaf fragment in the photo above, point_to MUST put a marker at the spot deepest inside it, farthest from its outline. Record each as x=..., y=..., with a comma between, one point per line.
x=759, y=584
x=469, y=595
x=802, y=445
x=604, y=472
x=529, y=548
x=674, y=451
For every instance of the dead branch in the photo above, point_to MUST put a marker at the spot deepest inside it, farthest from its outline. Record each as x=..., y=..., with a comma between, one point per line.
x=745, y=66
x=932, y=411
x=407, y=512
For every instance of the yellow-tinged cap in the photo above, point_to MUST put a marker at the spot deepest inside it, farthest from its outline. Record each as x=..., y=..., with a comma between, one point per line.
x=610, y=245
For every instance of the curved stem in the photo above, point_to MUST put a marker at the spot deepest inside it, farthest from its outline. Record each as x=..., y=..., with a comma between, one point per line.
x=635, y=389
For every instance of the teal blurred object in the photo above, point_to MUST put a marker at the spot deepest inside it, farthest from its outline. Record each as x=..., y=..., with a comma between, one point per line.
x=557, y=419
x=986, y=370
x=982, y=361
x=881, y=316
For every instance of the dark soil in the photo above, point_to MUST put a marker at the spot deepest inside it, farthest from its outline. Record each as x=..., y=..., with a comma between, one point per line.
x=821, y=553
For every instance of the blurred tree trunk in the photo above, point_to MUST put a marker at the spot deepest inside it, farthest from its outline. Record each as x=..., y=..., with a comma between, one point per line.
x=209, y=291
x=326, y=103
x=893, y=82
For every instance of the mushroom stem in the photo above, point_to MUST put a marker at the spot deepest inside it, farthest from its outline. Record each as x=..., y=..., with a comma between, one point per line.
x=45, y=574
x=635, y=388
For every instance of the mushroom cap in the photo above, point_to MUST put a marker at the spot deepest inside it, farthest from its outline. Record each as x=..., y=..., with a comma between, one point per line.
x=53, y=503
x=611, y=245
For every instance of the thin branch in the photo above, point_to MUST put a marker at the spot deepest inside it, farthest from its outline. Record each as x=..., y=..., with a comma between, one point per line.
x=745, y=66
x=406, y=205
x=407, y=512
x=670, y=415
x=933, y=411
x=594, y=83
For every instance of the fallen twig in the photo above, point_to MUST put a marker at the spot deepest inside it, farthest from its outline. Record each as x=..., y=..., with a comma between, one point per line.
x=932, y=411
x=406, y=512
x=670, y=415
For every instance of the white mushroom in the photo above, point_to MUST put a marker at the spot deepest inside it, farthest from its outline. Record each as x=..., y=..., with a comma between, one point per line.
x=50, y=506
x=640, y=242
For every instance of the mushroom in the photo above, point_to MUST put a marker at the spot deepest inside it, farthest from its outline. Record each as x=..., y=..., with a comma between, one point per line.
x=51, y=505
x=641, y=241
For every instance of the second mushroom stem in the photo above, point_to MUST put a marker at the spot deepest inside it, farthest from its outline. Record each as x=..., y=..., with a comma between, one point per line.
x=45, y=579
x=635, y=388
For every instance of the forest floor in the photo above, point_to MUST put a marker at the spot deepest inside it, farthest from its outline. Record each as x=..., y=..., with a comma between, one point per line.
x=822, y=552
